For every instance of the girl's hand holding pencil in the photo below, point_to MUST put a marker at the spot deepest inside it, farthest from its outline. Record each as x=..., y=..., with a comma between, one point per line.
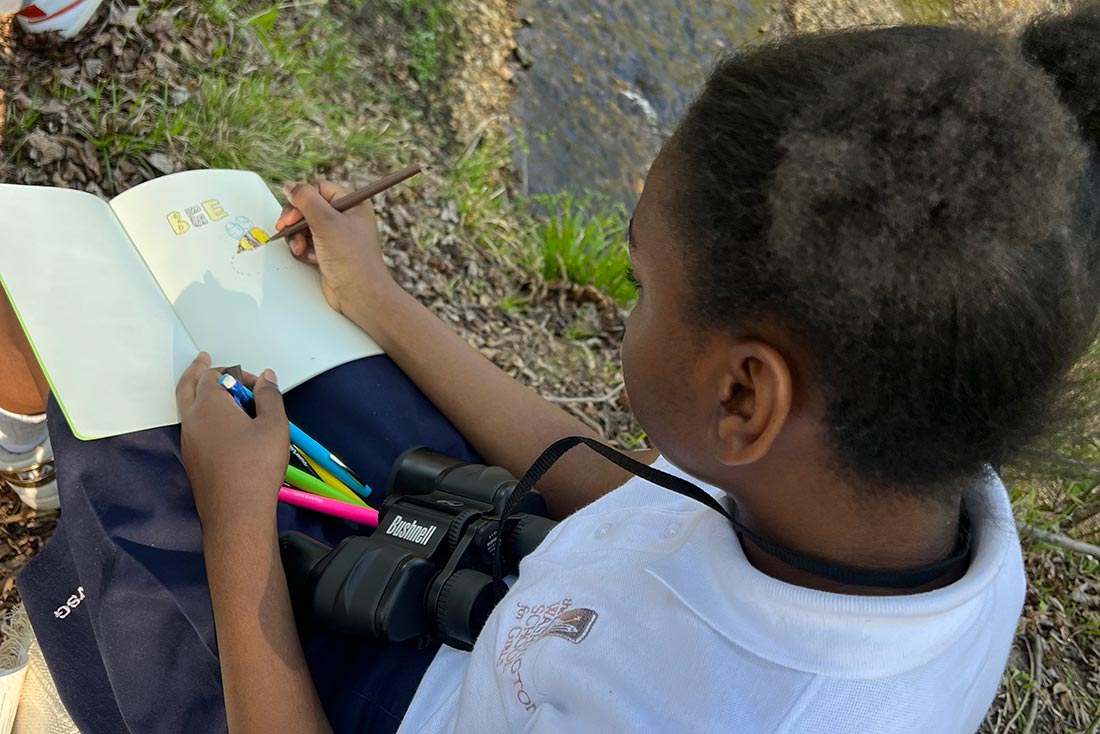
x=342, y=235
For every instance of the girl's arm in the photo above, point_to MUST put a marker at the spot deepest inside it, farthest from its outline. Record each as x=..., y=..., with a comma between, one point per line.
x=265, y=679
x=236, y=465
x=507, y=423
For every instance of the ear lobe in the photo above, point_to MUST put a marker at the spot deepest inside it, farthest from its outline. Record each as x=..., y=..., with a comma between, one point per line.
x=757, y=404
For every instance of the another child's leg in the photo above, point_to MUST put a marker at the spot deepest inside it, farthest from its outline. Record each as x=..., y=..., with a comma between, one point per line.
x=23, y=387
x=25, y=455
x=134, y=560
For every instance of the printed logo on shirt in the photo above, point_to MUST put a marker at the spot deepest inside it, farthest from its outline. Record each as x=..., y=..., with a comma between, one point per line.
x=70, y=604
x=536, y=623
x=572, y=625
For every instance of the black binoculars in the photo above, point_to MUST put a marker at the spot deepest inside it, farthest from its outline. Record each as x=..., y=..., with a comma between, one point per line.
x=426, y=572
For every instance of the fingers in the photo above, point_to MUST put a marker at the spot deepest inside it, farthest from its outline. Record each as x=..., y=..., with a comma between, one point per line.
x=309, y=202
x=313, y=206
x=186, y=387
x=289, y=216
x=206, y=386
x=308, y=255
x=301, y=246
x=331, y=191
x=299, y=243
x=269, y=401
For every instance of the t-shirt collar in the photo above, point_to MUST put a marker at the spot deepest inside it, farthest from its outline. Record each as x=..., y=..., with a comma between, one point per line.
x=828, y=633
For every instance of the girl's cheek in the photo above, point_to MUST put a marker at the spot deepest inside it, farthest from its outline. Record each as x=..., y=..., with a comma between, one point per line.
x=634, y=360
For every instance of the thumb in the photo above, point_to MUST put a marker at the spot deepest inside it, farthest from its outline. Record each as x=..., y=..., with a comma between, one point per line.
x=269, y=401
x=308, y=200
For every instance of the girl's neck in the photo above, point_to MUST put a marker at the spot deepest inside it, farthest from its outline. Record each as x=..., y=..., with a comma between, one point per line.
x=851, y=527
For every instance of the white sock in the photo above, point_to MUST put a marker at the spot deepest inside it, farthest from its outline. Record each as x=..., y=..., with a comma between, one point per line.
x=20, y=433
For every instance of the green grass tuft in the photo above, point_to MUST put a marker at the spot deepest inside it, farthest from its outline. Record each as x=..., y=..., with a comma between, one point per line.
x=244, y=122
x=122, y=125
x=584, y=240
x=927, y=12
x=432, y=38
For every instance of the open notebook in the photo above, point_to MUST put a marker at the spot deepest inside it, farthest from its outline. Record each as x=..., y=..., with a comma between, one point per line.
x=117, y=299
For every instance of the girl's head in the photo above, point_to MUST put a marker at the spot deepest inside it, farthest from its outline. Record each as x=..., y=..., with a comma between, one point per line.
x=878, y=242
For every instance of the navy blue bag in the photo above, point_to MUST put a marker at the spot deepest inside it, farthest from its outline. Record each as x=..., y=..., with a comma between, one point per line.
x=118, y=597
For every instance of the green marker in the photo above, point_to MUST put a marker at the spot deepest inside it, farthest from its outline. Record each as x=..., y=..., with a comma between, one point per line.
x=309, y=483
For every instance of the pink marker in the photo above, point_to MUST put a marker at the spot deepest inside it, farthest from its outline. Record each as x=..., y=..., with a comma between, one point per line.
x=345, y=510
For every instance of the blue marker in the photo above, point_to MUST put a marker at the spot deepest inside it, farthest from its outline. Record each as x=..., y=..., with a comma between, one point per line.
x=301, y=439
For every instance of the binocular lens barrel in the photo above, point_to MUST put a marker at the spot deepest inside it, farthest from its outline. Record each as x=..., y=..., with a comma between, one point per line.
x=423, y=470
x=418, y=470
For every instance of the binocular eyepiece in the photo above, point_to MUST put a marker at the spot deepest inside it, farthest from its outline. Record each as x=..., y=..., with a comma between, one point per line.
x=426, y=571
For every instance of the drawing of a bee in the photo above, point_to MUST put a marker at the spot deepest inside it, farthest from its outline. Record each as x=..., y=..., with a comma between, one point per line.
x=248, y=236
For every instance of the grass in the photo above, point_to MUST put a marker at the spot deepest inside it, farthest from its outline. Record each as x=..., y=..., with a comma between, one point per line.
x=280, y=121
x=431, y=38
x=241, y=122
x=272, y=97
x=930, y=12
x=20, y=121
x=583, y=241
x=1057, y=483
x=1056, y=488
x=231, y=122
x=494, y=221
x=579, y=239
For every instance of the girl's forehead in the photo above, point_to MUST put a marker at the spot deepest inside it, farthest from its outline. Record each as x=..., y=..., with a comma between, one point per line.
x=653, y=215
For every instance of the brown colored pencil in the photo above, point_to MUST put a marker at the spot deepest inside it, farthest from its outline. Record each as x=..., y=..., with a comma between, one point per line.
x=355, y=197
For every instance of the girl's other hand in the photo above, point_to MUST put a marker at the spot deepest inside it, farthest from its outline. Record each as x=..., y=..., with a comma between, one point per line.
x=235, y=463
x=343, y=244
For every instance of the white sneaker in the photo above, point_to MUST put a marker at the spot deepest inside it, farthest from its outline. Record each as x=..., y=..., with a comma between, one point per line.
x=31, y=475
x=67, y=17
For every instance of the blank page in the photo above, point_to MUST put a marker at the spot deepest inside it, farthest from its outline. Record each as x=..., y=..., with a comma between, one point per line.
x=106, y=337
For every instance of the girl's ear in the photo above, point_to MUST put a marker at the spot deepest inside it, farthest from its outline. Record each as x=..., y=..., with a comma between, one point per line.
x=756, y=400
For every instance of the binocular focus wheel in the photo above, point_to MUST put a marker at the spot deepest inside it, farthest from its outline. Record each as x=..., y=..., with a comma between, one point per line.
x=458, y=527
x=464, y=603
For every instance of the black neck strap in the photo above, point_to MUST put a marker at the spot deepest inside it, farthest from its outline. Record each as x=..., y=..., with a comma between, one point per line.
x=852, y=575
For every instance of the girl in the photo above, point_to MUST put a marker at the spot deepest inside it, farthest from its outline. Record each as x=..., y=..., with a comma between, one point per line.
x=864, y=260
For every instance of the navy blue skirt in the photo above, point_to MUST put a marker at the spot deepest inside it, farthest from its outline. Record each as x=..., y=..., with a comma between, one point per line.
x=118, y=597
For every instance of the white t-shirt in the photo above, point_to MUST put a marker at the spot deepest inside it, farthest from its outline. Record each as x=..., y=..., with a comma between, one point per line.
x=640, y=613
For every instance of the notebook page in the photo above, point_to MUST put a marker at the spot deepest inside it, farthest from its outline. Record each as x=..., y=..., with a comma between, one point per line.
x=202, y=234
x=108, y=341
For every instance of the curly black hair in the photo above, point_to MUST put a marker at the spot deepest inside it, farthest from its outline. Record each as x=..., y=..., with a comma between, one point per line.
x=916, y=205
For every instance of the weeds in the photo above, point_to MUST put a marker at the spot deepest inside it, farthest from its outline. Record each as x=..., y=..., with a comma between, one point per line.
x=476, y=183
x=123, y=125
x=929, y=12
x=431, y=38
x=579, y=239
x=583, y=241
x=239, y=122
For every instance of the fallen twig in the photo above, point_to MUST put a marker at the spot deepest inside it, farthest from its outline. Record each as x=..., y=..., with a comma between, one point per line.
x=579, y=414
x=595, y=399
x=1059, y=540
x=1036, y=680
x=1028, y=691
